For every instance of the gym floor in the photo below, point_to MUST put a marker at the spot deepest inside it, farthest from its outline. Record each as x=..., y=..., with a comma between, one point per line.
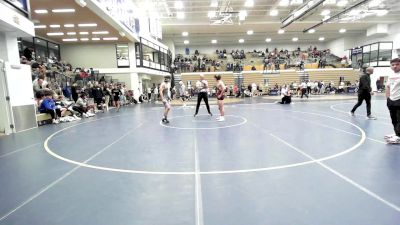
x=309, y=163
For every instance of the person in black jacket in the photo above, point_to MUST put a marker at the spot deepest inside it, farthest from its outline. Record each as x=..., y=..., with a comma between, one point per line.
x=74, y=92
x=364, y=92
x=98, y=96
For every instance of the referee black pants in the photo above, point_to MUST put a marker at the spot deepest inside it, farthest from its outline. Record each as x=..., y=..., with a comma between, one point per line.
x=361, y=97
x=200, y=96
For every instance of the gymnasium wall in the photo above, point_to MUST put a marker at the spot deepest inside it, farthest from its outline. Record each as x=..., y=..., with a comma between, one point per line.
x=392, y=35
x=90, y=55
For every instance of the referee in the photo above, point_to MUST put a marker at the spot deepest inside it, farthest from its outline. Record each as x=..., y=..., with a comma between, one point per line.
x=364, y=93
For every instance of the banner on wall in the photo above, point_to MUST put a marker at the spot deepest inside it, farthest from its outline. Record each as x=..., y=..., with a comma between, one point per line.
x=155, y=27
x=122, y=11
x=21, y=5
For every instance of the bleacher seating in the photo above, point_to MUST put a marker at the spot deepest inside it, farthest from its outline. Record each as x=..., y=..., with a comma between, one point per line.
x=226, y=77
x=334, y=75
x=281, y=78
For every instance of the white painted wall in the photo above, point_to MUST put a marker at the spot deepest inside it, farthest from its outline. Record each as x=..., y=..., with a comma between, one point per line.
x=209, y=49
x=8, y=53
x=90, y=55
x=171, y=45
x=340, y=46
x=393, y=35
x=379, y=72
x=123, y=77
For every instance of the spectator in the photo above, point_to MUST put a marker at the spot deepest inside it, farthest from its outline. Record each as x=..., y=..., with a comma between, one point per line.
x=49, y=106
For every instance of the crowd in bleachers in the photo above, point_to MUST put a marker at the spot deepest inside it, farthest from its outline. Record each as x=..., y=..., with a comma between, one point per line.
x=67, y=94
x=274, y=59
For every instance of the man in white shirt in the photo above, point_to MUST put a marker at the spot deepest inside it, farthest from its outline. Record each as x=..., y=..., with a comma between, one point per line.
x=202, y=88
x=309, y=84
x=285, y=93
x=303, y=87
x=393, y=101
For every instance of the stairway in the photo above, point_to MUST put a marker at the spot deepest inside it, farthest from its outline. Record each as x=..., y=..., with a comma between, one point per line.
x=238, y=77
x=303, y=75
x=177, y=78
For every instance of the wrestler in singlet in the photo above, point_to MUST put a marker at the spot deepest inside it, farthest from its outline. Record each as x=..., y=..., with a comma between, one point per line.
x=220, y=94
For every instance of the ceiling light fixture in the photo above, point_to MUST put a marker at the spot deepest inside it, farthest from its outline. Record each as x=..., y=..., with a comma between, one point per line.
x=354, y=12
x=382, y=12
x=63, y=10
x=186, y=42
x=69, y=25
x=41, y=11
x=241, y=40
x=110, y=38
x=179, y=4
x=250, y=32
x=281, y=31
x=95, y=39
x=273, y=12
x=295, y=39
x=326, y=18
x=185, y=34
x=214, y=41
x=87, y=25
x=342, y=30
x=100, y=32
x=55, y=34
x=325, y=12
x=83, y=33
x=70, y=39
x=40, y=26
x=180, y=15
x=268, y=40
x=242, y=14
x=311, y=31
x=283, y=2
x=82, y=3
x=296, y=2
x=321, y=39
x=249, y=3
x=374, y=3
x=342, y=3
x=84, y=39
x=55, y=26
x=329, y=2
x=71, y=33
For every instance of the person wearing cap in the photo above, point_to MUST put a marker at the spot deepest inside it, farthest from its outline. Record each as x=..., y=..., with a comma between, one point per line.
x=202, y=87
x=165, y=96
x=364, y=93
